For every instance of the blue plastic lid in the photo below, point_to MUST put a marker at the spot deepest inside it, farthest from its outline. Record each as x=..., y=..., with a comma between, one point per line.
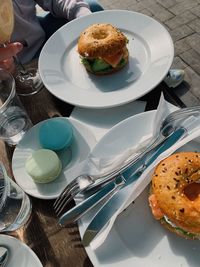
x=56, y=134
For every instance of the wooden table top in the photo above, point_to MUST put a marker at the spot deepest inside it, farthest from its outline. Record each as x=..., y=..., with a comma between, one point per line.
x=56, y=246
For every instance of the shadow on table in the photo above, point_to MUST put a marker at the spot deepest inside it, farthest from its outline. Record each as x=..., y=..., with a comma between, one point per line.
x=35, y=237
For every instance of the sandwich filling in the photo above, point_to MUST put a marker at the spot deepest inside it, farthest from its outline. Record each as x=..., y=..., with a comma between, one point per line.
x=159, y=215
x=165, y=219
x=106, y=63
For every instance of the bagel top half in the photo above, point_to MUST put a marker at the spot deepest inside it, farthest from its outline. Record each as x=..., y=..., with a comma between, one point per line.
x=175, y=193
x=105, y=44
x=101, y=40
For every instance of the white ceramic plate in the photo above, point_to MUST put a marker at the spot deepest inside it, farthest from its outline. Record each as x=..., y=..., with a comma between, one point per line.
x=83, y=142
x=137, y=239
x=20, y=254
x=151, y=54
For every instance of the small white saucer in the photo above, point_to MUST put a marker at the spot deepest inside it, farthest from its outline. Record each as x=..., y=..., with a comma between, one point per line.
x=83, y=142
x=19, y=253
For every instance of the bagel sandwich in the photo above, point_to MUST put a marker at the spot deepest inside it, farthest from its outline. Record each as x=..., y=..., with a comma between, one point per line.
x=175, y=194
x=102, y=48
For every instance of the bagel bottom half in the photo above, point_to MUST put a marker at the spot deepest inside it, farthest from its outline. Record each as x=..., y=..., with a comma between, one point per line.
x=175, y=194
x=179, y=231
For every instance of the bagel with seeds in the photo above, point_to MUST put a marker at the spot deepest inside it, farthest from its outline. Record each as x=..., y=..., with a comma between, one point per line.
x=102, y=48
x=175, y=194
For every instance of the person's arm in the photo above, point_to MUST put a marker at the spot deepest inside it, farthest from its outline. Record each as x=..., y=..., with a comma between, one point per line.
x=6, y=55
x=69, y=9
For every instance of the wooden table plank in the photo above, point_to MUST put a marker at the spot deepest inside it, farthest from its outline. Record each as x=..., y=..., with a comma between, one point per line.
x=55, y=246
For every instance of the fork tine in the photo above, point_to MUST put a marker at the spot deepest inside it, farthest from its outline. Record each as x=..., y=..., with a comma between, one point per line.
x=65, y=200
x=65, y=191
x=64, y=203
x=80, y=183
x=181, y=114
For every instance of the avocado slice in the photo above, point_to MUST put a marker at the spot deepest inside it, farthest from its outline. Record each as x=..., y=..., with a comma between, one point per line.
x=87, y=63
x=100, y=65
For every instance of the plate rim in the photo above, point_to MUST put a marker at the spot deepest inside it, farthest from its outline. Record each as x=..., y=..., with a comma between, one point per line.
x=23, y=245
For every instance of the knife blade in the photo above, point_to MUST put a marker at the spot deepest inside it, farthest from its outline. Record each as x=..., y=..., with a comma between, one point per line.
x=109, y=208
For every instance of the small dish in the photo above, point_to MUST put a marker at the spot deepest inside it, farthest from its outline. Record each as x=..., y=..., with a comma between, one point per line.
x=19, y=253
x=83, y=142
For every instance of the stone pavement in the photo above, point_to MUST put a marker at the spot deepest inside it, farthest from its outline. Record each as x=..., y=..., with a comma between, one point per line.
x=182, y=20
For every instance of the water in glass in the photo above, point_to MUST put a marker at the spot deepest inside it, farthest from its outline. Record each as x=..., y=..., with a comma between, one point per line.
x=15, y=205
x=14, y=121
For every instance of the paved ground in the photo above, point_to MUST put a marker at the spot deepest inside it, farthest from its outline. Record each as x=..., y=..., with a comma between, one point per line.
x=182, y=19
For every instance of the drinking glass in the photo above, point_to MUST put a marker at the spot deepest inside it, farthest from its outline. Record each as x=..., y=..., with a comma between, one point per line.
x=14, y=121
x=15, y=205
x=28, y=80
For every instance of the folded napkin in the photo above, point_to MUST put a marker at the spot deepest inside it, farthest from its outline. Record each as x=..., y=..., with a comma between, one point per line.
x=101, y=166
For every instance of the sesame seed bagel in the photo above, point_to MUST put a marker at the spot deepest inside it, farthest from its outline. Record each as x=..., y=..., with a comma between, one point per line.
x=176, y=188
x=100, y=40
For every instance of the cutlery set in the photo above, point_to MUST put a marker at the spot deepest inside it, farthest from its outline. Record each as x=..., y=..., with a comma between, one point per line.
x=113, y=189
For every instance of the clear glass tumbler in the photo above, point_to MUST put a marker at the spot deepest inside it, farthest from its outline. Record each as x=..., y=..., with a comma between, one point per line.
x=15, y=205
x=14, y=121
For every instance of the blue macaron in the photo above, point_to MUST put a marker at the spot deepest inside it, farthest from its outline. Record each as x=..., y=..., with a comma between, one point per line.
x=56, y=134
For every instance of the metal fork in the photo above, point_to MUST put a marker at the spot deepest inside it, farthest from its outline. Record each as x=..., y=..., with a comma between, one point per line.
x=85, y=182
x=181, y=113
x=89, y=184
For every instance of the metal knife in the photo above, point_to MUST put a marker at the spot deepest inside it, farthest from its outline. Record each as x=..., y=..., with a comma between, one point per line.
x=105, y=190
x=113, y=203
x=108, y=190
